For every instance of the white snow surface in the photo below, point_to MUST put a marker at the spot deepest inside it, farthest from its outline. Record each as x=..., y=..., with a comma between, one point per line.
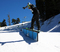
x=12, y=39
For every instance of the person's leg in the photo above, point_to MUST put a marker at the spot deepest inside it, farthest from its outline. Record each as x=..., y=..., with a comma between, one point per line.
x=37, y=21
x=38, y=24
x=32, y=23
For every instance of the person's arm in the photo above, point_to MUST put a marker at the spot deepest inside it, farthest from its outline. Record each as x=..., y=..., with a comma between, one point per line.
x=25, y=7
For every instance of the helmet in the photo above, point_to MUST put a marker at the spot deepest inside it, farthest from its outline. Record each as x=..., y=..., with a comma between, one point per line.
x=29, y=4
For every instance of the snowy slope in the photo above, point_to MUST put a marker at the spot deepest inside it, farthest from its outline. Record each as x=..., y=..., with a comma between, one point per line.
x=12, y=39
x=52, y=24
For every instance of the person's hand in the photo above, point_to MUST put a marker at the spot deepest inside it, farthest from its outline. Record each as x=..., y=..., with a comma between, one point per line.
x=23, y=7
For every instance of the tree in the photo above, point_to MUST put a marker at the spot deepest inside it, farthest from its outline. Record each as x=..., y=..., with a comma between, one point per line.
x=13, y=21
x=48, y=8
x=0, y=24
x=17, y=21
x=3, y=23
x=40, y=7
x=9, y=19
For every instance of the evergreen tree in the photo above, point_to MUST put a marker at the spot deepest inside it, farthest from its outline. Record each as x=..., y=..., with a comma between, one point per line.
x=13, y=21
x=40, y=6
x=0, y=24
x=3, y=23
x=17, y=21
x=48, y=8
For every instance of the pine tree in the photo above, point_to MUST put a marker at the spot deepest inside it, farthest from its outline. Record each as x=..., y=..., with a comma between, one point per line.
x=40, y=6
x=13, y=21
x=0, y=24
x=48, y=8
x=17, y=21
x=3, y=23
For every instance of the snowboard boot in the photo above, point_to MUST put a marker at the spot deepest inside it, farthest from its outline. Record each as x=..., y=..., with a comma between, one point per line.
x=31, y=28
x=38, y=29
x=26, y=28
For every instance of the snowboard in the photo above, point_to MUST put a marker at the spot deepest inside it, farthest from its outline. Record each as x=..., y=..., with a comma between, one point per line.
x=33, y=30
x=33, y=34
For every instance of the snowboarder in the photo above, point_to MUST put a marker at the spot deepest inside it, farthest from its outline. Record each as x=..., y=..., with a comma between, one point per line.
x=35, y=17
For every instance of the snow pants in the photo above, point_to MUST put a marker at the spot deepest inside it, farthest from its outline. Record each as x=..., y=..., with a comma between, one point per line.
x=35, y=18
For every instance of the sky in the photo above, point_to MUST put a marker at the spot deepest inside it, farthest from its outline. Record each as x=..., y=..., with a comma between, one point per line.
x=15, y=10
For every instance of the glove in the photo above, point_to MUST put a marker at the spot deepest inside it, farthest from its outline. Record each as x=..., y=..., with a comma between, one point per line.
x=32, y=12
x=23, y=7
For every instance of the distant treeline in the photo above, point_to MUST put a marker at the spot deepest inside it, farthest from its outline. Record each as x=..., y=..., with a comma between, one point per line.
x=48, y=8
x=14, y=21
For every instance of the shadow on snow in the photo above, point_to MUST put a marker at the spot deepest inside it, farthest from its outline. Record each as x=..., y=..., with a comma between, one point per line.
x=26, y=39
x=2, y=43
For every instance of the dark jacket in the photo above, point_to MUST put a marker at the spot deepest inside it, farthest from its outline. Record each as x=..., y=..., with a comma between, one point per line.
x=35, y=10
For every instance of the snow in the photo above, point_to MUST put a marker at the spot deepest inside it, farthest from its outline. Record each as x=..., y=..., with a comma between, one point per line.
x=52, y=23
x=12, y=39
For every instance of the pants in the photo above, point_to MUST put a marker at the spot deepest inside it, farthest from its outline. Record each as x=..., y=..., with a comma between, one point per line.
x=35, y=18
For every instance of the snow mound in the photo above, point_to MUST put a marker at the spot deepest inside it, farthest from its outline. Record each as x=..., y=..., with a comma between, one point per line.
x=52, y=24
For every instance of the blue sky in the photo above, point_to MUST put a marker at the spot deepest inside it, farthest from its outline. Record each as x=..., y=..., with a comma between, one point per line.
x=14, y=8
